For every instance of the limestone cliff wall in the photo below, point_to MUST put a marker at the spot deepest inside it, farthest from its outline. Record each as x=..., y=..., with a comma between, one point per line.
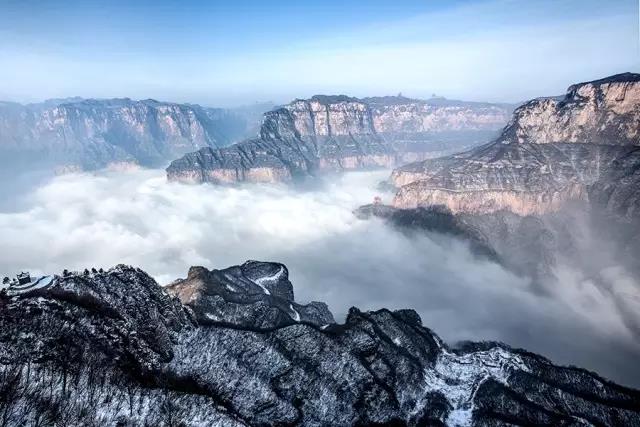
x=580, y=147
x=604, y=111
x=481, y=202
x=340, y=133
x=90, y=134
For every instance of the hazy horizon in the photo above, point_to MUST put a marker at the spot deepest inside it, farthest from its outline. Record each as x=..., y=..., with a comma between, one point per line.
x=257, y=102
x=247, y=52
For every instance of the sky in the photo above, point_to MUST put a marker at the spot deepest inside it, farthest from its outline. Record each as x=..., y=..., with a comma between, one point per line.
x=231, y=53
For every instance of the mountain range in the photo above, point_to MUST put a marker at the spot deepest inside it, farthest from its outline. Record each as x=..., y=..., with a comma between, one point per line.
x=583, y=146
x=89, y=134
x=309, y=137
x=232, y=348
x=76, y=134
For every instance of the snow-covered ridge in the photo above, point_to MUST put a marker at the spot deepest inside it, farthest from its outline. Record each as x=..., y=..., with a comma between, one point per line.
x=117, y=348
x=458, y=377
x=41, y=282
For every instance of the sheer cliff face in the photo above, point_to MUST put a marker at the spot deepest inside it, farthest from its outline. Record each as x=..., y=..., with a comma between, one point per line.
x=526, y=179
x=342, y=118
x=604, y=111
x=91, y=134
x=231, y=347
x=323, y=133
x=437, y=115
x=583, y=147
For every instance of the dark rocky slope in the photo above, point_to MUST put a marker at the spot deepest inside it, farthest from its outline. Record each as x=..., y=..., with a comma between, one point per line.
x=114, y=348
x=90, y=134
x=329, y=133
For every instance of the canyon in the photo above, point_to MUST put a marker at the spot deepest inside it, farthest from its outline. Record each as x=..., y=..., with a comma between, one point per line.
x=564, y=172
x=339, y=133
x=232, y=346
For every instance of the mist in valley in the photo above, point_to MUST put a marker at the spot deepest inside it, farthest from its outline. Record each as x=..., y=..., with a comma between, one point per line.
x=138, y=218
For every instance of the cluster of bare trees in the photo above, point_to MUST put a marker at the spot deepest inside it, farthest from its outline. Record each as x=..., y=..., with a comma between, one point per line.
x=36, y=394
x=41, y=395
x=85, y=272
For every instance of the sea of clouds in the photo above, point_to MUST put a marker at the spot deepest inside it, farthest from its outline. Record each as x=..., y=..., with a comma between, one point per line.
x=138, y=218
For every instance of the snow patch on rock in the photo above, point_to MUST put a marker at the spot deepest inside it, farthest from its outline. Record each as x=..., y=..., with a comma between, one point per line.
x=261, y=281
x=458, y=377
x=294, y=314
x=35, y=283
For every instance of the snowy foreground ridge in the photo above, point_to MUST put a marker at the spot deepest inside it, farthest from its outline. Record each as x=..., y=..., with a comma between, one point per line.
x=232, y=347
x=42, y=282
x=458, y=378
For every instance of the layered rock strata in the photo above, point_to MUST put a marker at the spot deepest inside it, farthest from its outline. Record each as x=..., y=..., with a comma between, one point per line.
x=582, y=147
x=336, y=133
x=87, y=134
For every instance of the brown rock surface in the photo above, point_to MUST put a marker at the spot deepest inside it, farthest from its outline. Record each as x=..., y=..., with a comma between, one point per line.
x=583, y=147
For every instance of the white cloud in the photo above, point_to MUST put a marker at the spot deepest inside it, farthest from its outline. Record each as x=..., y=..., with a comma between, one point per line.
x=137, y=218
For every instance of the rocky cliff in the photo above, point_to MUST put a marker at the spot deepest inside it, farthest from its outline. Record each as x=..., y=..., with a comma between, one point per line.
x=605, y=111
x=89, y=134
x=255, y=295
x=332, y=133
x=114, y=348
x=584, y=146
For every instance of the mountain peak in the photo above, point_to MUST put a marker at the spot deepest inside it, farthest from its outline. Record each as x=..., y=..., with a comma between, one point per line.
x=252, y=295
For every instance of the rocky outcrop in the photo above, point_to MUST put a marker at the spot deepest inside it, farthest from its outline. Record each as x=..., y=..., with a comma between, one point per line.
x=143, y=320
x=334, y=133
x=527, y=179
x=254, y=295
x=605, y=111
x=88, y=134
x=583, y=147
x=113, y=348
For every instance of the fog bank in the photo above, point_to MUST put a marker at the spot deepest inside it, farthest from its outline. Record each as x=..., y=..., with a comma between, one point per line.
x=137, y=218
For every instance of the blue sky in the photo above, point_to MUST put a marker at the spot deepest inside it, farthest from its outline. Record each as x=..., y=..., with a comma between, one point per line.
x=226, y=53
